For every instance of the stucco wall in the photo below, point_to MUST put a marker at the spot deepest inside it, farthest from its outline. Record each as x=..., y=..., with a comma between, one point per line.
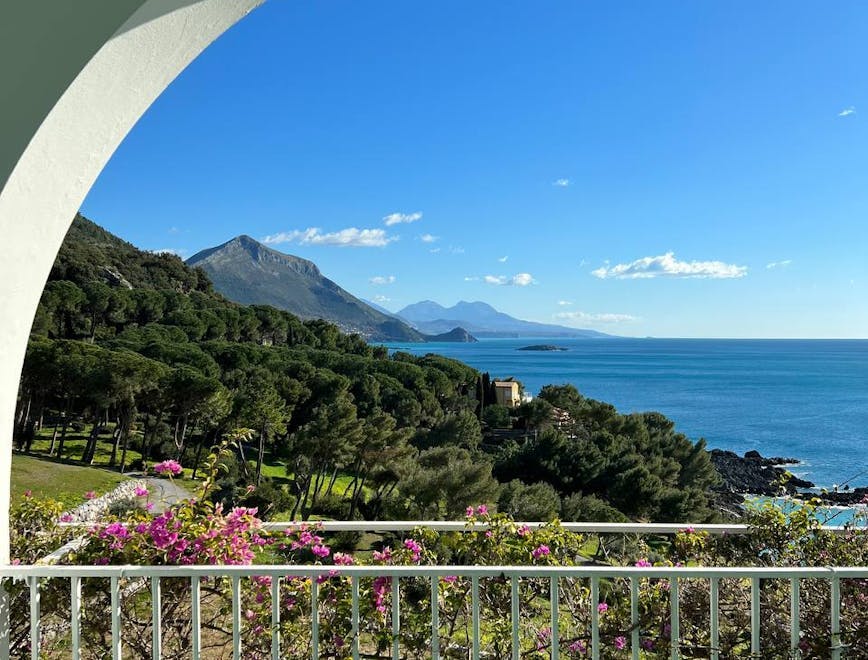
x=75, y=77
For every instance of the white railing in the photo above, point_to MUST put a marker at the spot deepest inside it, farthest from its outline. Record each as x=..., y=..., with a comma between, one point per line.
x=556, y=577
x=593, y=574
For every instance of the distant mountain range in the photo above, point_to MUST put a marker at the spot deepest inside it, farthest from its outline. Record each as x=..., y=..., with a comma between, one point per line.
x=482, y=320
x=248, y=272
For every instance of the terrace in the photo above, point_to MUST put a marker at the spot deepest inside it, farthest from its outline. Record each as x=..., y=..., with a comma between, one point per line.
x=76, y=85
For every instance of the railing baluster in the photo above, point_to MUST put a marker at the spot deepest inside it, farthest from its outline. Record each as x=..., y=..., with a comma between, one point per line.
x=196, y=617
x=136, y=577
x=34, y=618
x=595, y=618
x=116, y=618
x=236, y=617
x=675, y=619
x=714, y=620
x=836, y=617
x=435, y=617
x=156, y=619
x=75, y=615
x=354, y=595
x=474, y=606
x=396, y=618
x=634, y=618
x=795, y=635
x=275, y=617
x=754, y=618
x=554, y=601
x=314, y=618
x=515, y=605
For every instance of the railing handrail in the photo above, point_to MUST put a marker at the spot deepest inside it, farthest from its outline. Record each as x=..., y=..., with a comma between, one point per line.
x=714, y=529
x=530, y=571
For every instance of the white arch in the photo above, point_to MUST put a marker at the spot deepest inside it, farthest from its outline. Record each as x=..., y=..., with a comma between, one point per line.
x=74, y=78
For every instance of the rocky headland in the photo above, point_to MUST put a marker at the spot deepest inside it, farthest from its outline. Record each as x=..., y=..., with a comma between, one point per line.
x=754, y=474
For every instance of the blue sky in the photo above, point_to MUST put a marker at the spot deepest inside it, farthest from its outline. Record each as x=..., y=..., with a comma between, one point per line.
x=667, y=169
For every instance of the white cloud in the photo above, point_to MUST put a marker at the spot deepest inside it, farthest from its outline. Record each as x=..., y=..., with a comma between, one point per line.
x=470, y=278
x=401, y=218
x=382, y=279
x=178, y=252
x=429, y=238
x=849, y=110
x=434, y=250
x=564, y=303
x=456, y=249
x=350, y=237
x=595, y=319
x=519, y=279
x=666, y=265
x=503, y=260
x=174, y=230
x=779, y=264
x=561, y=183
x=382, y=299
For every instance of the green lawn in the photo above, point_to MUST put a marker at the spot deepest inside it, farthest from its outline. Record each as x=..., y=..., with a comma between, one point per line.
x=74, y=446
x=60, y=481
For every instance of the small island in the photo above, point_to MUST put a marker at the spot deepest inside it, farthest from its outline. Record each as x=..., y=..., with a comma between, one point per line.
x=459, y=335
x=542, y=347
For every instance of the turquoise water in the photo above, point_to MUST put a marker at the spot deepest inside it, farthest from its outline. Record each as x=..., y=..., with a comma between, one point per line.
x=799, y=398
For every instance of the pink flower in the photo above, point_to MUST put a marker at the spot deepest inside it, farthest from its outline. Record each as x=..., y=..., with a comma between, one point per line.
x=688, y=530
x=482, y=510
x=149, y=506
x=578, y=647
x=66, y=517
x=643, y=563
x=89, y=495
x=620, y=643
x=321, y=551
x=342, y=559
x=469, y=512
x=413, y=547
x=385, y=555
x=449, y=579
x=168, y=467
x=28, y=493
x=602, y=608
x=141, y=491
x=523, y=531
x=541, y=551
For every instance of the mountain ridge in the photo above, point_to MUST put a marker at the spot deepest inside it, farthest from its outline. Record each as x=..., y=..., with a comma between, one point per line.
x=248, y=272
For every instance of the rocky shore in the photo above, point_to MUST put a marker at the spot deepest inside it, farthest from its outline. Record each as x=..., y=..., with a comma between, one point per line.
x=754, y=474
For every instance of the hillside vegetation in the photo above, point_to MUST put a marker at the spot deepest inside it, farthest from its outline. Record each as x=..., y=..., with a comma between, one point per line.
x=137, y=351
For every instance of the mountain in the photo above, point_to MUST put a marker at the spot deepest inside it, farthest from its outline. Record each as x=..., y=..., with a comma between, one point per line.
x=379, y=308
x=248, y=272
x=482, y=320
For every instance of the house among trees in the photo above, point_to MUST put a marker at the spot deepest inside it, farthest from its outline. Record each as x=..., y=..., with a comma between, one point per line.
x=507, y=393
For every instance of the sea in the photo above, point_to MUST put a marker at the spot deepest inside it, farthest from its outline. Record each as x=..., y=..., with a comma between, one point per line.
x=804, y=399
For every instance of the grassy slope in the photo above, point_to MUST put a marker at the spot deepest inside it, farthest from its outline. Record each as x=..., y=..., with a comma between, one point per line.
x=60, y=481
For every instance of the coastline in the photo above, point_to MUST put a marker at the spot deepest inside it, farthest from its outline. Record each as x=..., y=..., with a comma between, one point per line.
x=754, y=478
